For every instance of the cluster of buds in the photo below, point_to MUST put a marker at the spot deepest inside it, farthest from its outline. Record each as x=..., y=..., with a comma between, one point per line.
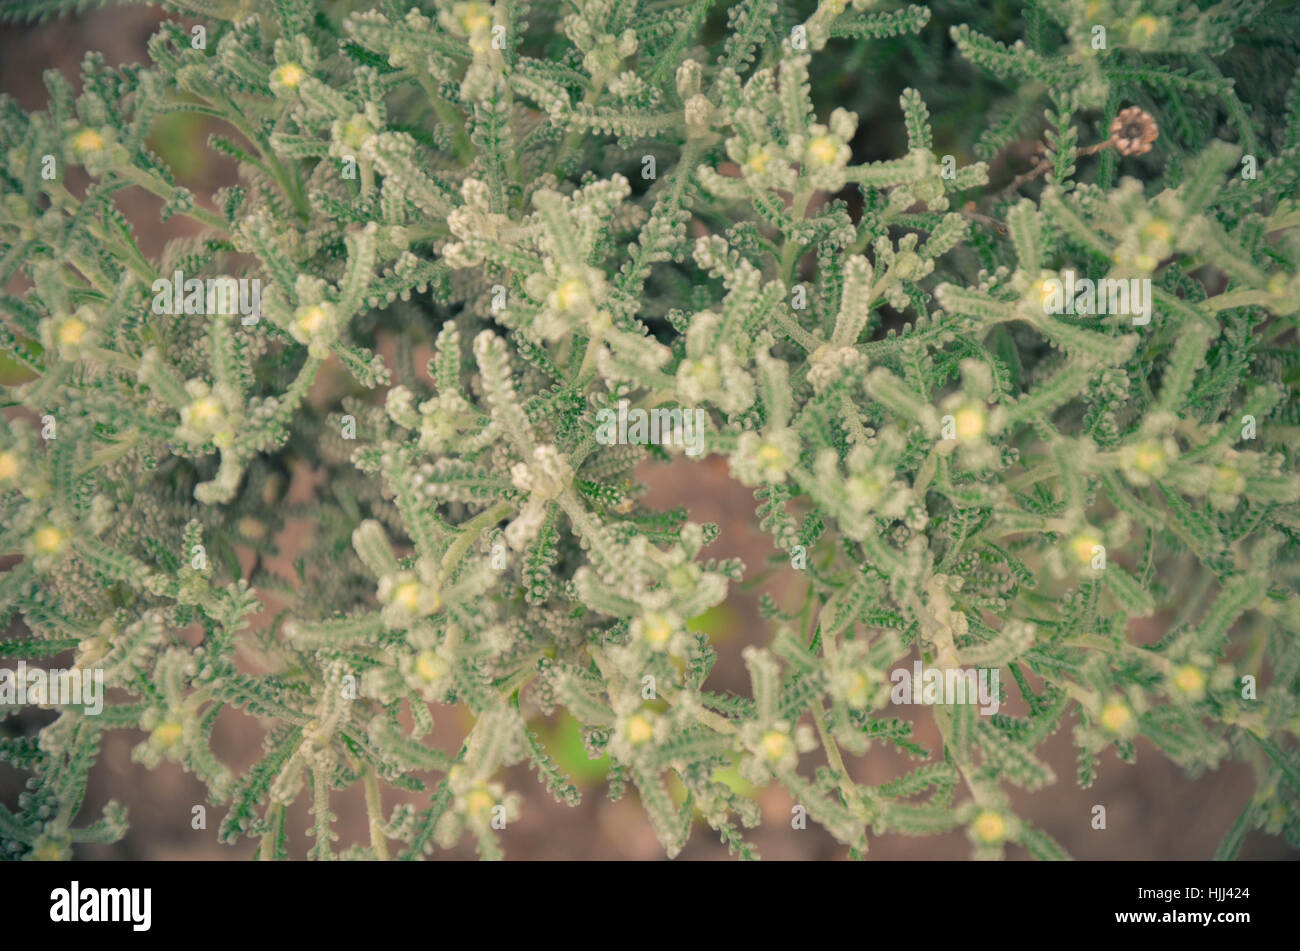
x=211, y=415
x=773, y=748
x=765, y=459
x=967, y=422
x=572, y=297
x=73, y=336
x=408, y=595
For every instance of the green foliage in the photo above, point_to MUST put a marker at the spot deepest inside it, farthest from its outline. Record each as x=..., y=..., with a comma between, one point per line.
x=665, y=204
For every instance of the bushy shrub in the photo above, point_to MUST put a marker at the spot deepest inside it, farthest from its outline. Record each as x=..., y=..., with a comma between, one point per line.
x=997, y=404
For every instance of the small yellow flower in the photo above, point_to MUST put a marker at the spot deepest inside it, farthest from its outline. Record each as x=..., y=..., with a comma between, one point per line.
x=822, y=151
x=572, y=295
x=703, y=372
x=290, y=75
x=206, y=410
x=474, y=17
x=309, y=320
x=72, y=331
x=87, y=141
x=1190, y=680
x=356, y=131
x=970, y=422
x=48, y=540
x=1116, y=717
x=1151, y=458
x=1158, y=231
x=657, y=630
x=771, y=455
x=408, y=595
x=1228, y=480
x=759, y=161
x=859, y=690
x=168, y=733
x=430, y=667
x=776, y=745
x=1046, y=288
x=989, y=827
x=1146, y=26
x=8, y=466
x=639, y=730
x=250, y=527
x=479, y=802
x=1082, y=545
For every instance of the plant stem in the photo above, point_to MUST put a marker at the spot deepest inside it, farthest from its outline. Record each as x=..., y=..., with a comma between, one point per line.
x=469, y=533
x=375, y=812
x=266, y=848
x=165, y=191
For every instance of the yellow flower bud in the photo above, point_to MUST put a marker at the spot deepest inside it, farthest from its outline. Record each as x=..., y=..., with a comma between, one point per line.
x=1046, y=288
x=1190, y=680
x=1146, y=26
x=1082, y=545
x=639, y=730
x=1150, y=457
x=989, y=827
x=1158, y=231
x=309, y=320
x=408, y=595
x=572, y=295
x=290, y=75
x=1228, y=480
x=168, y=733
x=206, y=410
x=822, y=151
x=356, y=131
x=657, y=630
x=776, y=745
x=72, y=331
x=859, y=688
x=475, y=17
x=1116, y=716
x=86, y=141
x=430, y=667
x=48, y=540
x=970, y=422
x=479, y=802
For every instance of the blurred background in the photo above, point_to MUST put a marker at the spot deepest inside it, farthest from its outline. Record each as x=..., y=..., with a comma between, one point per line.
x=1153, y=810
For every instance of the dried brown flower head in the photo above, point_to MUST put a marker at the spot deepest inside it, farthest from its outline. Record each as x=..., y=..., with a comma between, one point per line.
x=1133, y=131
